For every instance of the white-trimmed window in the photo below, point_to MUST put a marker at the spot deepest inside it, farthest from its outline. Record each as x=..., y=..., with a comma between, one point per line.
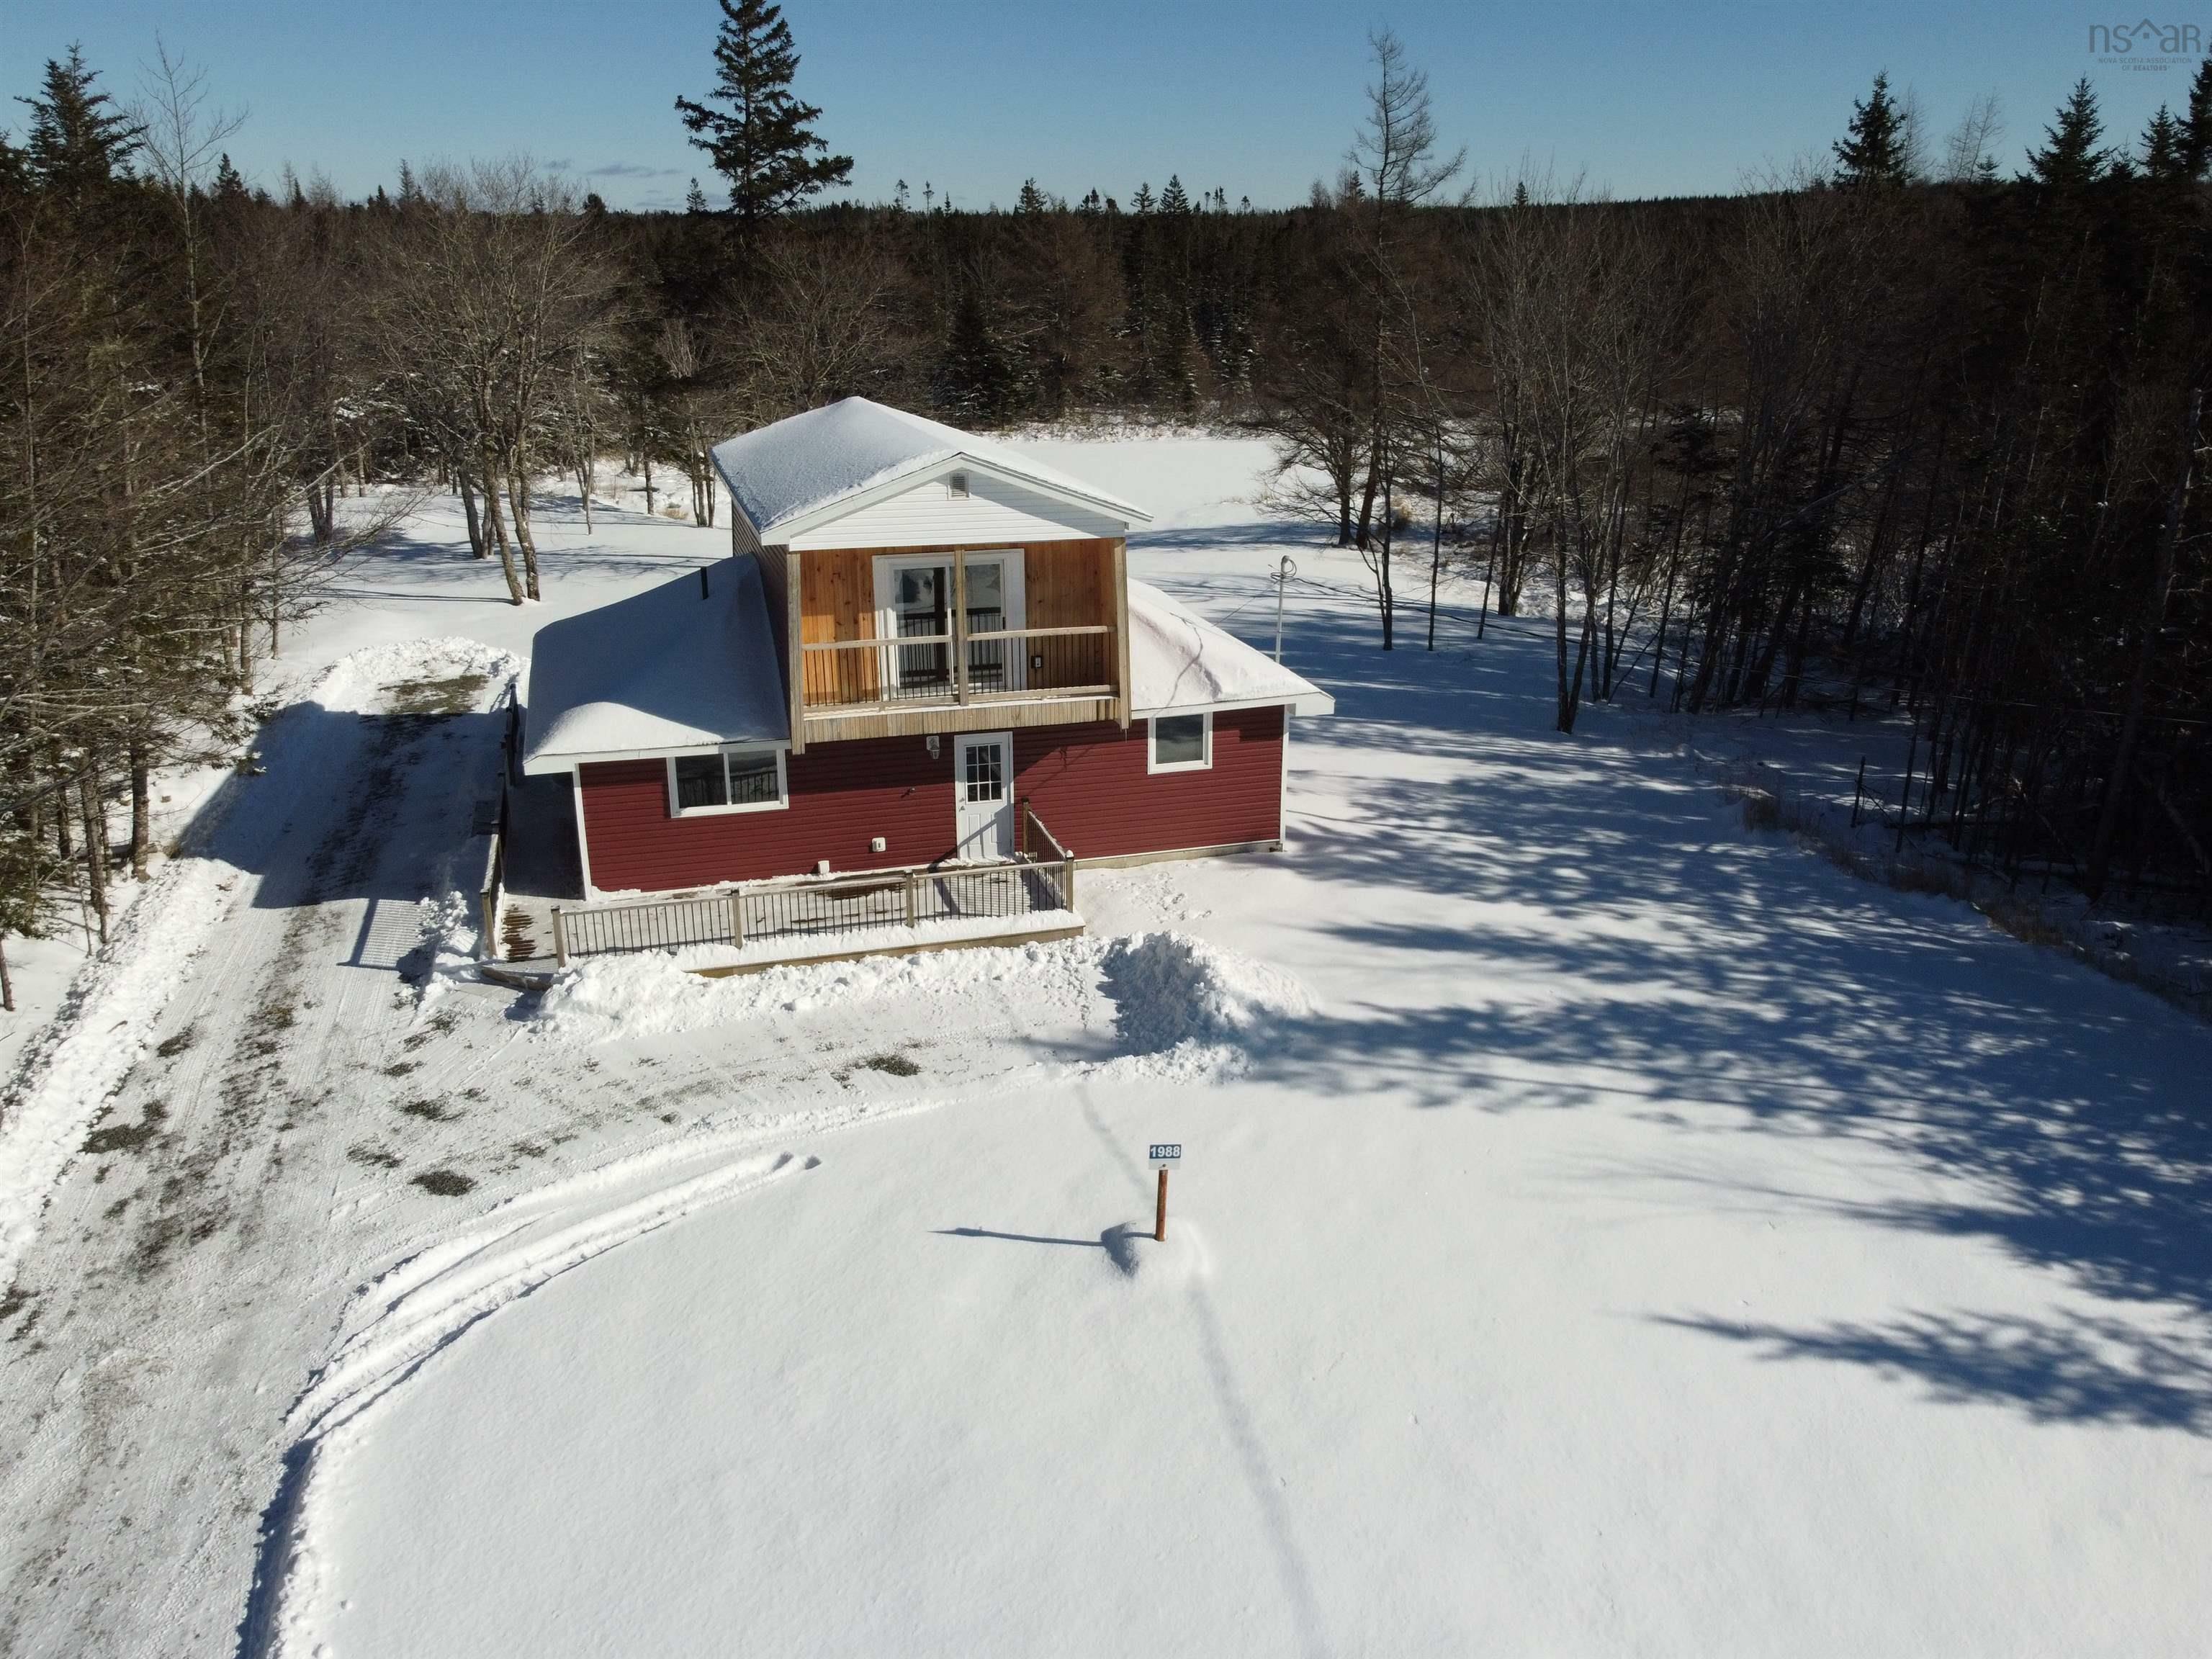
x=727, y=780
x=1181, y=742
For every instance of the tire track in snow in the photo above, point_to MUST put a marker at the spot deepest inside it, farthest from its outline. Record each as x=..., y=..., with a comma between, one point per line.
x=1184, y=1010
x=432, y=1300
x=203, y=1210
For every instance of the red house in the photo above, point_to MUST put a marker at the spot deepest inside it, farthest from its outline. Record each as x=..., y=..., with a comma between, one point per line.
x=916, y=629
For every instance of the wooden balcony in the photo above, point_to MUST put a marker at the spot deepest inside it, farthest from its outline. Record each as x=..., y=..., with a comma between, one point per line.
x=957, y=667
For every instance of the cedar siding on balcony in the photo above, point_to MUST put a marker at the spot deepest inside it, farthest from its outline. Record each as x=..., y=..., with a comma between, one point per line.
x=1066, y=664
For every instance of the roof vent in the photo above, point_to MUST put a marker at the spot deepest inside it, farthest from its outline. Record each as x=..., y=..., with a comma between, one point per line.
x=957, y=485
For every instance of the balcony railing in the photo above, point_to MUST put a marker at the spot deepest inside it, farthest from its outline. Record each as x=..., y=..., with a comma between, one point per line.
x=1000, y=664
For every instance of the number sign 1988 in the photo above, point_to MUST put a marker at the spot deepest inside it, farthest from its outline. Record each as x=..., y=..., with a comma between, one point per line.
x=1166, y=1153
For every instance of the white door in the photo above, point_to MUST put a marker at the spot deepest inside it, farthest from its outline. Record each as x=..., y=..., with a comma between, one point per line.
x=983, y=795
x=914, y=601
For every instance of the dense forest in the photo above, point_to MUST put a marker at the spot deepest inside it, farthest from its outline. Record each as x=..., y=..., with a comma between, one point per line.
x=1901, y=430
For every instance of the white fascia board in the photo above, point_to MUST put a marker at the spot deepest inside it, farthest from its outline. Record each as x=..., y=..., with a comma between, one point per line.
x=541, y=765
x=1309, y=702
x=790, y=530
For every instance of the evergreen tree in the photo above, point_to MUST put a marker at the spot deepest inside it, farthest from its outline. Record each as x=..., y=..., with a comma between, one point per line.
x=2070, y=158
x=230, y=188
x=974, y=380
x=759, y=137
x=1142, y=201
x=78, y=140
x=1172, y=200
x=1031, y=200
x=695, y=200
x=2197, y=147
x=2165, y=147
x=1877, y=150
x=902, y=201
x=15, y=169
x=1091, y=203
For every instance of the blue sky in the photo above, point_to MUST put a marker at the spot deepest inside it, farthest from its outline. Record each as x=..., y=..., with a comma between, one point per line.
x=973, y=95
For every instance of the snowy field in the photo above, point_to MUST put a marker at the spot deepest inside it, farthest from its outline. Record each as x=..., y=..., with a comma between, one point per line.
x=1602, y=1230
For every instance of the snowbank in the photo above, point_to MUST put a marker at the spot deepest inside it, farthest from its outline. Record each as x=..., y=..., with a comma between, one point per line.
x=82, y=1056
x=360, y=682
x=451, y=940
x=420, y=1306
x=67, y=1073
x=1172, y=994
x=1173, y=990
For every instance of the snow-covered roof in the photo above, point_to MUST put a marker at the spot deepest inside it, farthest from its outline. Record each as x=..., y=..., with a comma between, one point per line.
x=663, y=670
x=1181, y=663
x=805, y=470
x=666, y=671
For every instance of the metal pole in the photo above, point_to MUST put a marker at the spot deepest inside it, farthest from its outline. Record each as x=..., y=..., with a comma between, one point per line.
x=1160, y=1217
x=1283, y=571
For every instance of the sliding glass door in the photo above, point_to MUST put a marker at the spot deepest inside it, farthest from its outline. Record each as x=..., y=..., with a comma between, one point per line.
x=914, y=605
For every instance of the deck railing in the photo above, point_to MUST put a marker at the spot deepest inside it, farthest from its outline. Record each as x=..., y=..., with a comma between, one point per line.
x=820, y=905
x=963, y=665
x=491, y=891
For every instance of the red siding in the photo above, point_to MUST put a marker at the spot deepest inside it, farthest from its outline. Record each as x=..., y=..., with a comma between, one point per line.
x=1089, y=785
x=1087, y=782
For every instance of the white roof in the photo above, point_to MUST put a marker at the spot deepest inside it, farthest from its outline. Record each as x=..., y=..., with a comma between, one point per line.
x=806, y=470
x=661, y=671
x=666, y=671
x=1181, y=663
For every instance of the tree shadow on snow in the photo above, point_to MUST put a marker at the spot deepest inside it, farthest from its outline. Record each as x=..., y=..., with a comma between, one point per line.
x=351, y=805
x=426, y=560
x=1598, y=929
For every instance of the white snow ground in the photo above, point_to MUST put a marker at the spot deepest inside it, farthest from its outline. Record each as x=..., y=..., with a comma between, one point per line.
x=1602, y=1230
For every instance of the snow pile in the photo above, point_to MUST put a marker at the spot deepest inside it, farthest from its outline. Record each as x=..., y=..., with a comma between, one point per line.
x=451, y=938
x=360, y=683
x=1155, y=1264
x=1172, y=995
x=1175, y=994
x=83, y=1057
x=638, y=996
